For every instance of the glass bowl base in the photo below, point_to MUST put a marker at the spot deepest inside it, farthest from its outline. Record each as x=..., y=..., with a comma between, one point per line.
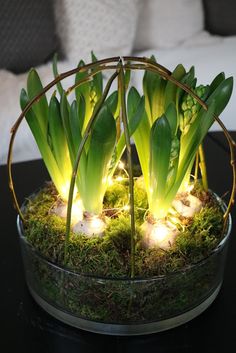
x=122, y=329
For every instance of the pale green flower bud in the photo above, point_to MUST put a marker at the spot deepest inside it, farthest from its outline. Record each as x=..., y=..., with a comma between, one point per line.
x=190, y=108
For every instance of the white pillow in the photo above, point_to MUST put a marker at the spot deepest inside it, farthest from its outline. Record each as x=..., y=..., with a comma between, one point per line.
x=105, y=26
x=167, y=23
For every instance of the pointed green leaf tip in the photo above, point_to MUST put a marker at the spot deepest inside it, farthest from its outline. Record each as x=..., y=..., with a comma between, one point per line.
x=171, y=89
x=58, y=138
x=112, y=102
x=171, y=116
x=40, y=108
x=41, y=139
x=55, y=73
x=221, y=95
x=97, y=79
x=136, y=109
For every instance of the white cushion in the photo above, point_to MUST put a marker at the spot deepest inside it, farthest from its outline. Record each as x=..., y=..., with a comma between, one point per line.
x=107, y=27
x=167, y=23
x=203, y=38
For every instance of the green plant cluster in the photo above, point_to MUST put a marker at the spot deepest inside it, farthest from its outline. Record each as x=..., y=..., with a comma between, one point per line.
x=166, y=123
x=171, y=130
x=109, y=256
x=58, y=127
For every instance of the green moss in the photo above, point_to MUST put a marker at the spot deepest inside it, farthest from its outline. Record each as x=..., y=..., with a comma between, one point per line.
x=110, y=255
x=116, y=196
x=202, y=235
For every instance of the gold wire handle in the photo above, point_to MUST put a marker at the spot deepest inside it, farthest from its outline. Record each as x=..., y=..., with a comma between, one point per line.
x=131, y=63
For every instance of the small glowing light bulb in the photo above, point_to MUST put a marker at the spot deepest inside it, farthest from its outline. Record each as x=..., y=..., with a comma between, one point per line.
x=119, y=178
x=126, y=208
x=110, y=181
x=160, y=232
x=121, y=165
x=97, y=223
x=90, y=226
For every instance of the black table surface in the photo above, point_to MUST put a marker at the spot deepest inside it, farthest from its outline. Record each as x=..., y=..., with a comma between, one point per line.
x=26, y=328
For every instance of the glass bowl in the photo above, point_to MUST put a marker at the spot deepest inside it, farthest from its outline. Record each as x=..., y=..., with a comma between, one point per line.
x=124, y=306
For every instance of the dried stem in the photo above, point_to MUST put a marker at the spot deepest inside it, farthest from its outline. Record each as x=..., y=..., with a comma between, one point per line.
x=89, y=77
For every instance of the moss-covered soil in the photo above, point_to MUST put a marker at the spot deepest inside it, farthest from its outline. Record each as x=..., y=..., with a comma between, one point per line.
x=109, y=256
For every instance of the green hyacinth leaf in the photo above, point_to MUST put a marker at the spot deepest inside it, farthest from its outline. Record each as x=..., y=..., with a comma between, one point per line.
x=136, y=111
x=217, y=81
x=140, y=129
x=65, y=114
x=170, y=91
x=40, y=108
x=141, y=138
x=84, y=90
x=42, y=144
x=160, y=151
x=81, y=105
x=112, y=103
x=221, y=95
x=77, y=137
x=56, y=74
x=58, y=138
x=75, y=125
x=153, y=88
x=189, y=80
x=136, y=108
x=103, y=139
x=97, y=79
x=171, y=116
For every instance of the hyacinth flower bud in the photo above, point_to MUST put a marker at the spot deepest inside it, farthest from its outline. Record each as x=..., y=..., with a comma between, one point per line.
x=190, y=108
